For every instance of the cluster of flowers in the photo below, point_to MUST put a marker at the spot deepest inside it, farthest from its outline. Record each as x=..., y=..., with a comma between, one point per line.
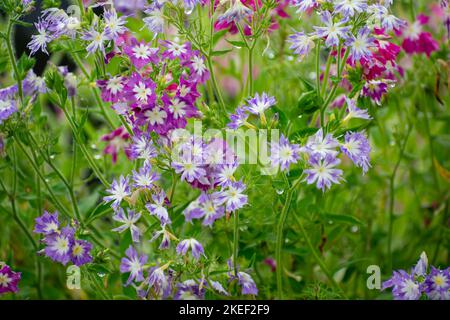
x=62, y=245
x=31, y=85
x=321, y=149
x=364, y=44
x=415, y=40
x=9, y=279
x=419, y=283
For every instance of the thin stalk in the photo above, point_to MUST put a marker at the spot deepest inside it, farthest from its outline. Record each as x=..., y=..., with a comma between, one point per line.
x=280, y=240
x=318, y=68
x=235, y=242
x=13, y=60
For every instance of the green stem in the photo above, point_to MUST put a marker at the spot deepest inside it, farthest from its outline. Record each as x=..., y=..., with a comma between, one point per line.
x=318, y=68
x=235, y=242
x=280, y=240
x=13, y=59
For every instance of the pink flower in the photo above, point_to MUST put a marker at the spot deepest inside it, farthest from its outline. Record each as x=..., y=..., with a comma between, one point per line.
x=117, y=140
x=416, y=40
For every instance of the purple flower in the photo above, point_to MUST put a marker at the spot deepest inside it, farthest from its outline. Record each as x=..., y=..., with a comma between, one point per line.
x=129, y=220
x=190, y=169
x=238, y=119
x=157, y=207
x=133, y=264
x=216, y=285
x=437, y=284
x=154, y=20
x=258, y=104
x=59, y=245
x=114, y=25
x=232, y=196
x=420, y=269
x=301, y=43
x=247, y=283
x=81, y=252
x=118, y=191
x=165, y=243
x=305, y=5
x=142, y=147
x=141, y=53
x=195, y=246
x=9, y=279
x=175, y=50
x=404, y=286
x=145, y=177
x=349, y=8
x=97, y=40
x=190, y=290
x=140, y=90
x=235, y=13
x=283, y=153
x=7, y=108
x=360, y=45
x=158, y=280
x=199, y=72
x=112, y=89
x=332, y=31
x=47, y=223
x=318, y=144
x=380, y=15
x=209, y=209
x=323, y=171
x=224, y=174
x=33, y=84
x=357, y=148
x=375, y=89
x=354, y=112
x=39, y=41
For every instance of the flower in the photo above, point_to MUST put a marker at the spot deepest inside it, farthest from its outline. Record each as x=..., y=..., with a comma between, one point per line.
x=81, y=252
x=232, y=196
x=375, y=90
x=190, y=169
x=224, y=174
x=59, y=245
x=360, y=45
x=154, y=20
x=318, y=144
x=7, y=108
x=354, y=112
x=216, y=285
x=332, y=31
x=159, y=281
x=39, y=41
x=247, y=283
x=323, y=171
x=112, y=89
x=165, y=243
x=305, y=5
x=238, y=119
x=97, y=40
x=47, y=223
x=357, y=148
x=33, y=84
x=141, y=53
x=142, y=148
x=349, y=8
x=134, y=263
x=283, y=153
x=258, y=104
x=195, y=246
x=118, y=191
x=145, y=177
x=175, y=50
x=416, y=40
x=114, y=25
x=190, y=290
x=405, y=287
x=139, y=90
x=157, y=208
x=198, y=68
x=437, y=284
x=129, y=221
x=235, y=13
x=9, y=279
x=117, y=140
x=301, y=43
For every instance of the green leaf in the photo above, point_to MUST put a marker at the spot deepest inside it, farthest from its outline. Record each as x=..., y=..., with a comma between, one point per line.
x=308, y=102
x=220, y=52
x=238, y=44
x=101, y=210
x=343, y=218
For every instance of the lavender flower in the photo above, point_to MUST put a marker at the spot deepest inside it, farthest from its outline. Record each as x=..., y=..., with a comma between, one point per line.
x=114, y=25
x=7, y=108
x=158, y=280
x=247, y=283
x=354, y=112
x=157, y=208
x=118, y=191
x=232, y=196
x=216, y=285
x=301, y=43
x=238, y=119
x=142, y=147
x=97, y=40
x=81, y=252
x=133, y=264
x=9, y=279
x=165, y=243
x=258, y=104
x=47, y=223
x=318, y=144
x=224, y=175
x=305, y=5
x=59, y=245
x=195, y=246
x=332, y=31
x=360, y=45
x=39, y=41
x=349, y=8
x=283, y=153
x=145, y=177
x=405, y=287
x=357, y=148
x=437, y=284
x=190, y=290
x=129, y=222
x=154, y=20
x=323, y=171
x=235, y=13
x=190, y=169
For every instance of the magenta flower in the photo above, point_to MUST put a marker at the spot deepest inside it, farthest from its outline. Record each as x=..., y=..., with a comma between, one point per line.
x=112, y=89
x=117, y=140
x=9, y=279
x=416, y=40
x=141, y=53
x=139, y=90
